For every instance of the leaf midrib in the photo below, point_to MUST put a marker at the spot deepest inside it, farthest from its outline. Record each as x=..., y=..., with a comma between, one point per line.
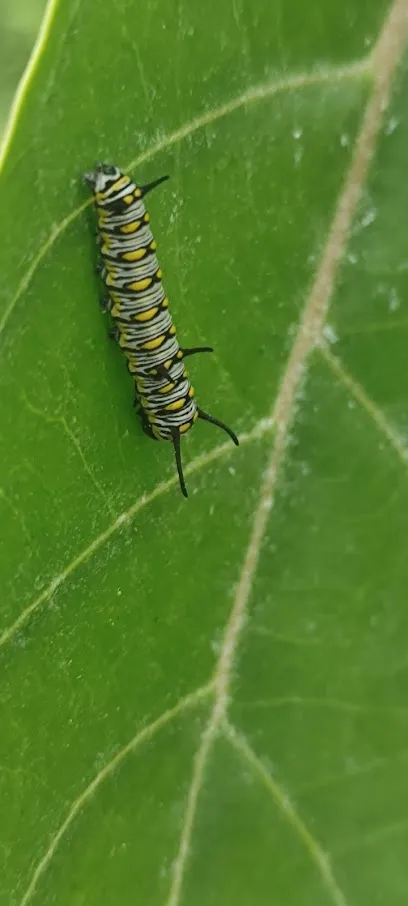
x=305, y=341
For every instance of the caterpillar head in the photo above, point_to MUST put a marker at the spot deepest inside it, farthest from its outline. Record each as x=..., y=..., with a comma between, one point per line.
x=102, y=177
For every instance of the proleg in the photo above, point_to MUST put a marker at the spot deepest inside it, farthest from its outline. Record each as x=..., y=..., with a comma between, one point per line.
x=138, y=306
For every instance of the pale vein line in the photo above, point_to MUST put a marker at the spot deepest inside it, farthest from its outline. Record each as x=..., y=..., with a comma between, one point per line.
x=28, y=74
x=261, y=428
x=369, y=406
x=388, y=50
x=297, y=641
x=16, y=513
x=88, y=469
x=347, y=777
x=62, y=421
x=142, y=736
x=256, y=94
x=376, y=327
x=134, y=46
x=334, y=704
x=281, y=799
x=385, y=57
x=354, y=844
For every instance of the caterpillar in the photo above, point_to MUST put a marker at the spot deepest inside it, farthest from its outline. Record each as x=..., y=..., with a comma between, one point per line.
x=138, y=305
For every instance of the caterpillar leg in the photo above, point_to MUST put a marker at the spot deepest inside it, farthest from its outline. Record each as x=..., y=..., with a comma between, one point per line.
x=113, y=333
x=215, y=421
x=89, y=179
x=177, y=452
x=105, y=303
x=152, y=185
x=146, y=426
x=193, y=349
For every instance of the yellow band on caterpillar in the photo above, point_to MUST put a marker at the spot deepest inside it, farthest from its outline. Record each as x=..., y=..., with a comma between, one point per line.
x=138, y=309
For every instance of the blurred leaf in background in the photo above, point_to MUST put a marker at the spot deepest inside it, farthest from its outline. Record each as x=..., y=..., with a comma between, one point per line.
x=204, y=702
x=19, y=23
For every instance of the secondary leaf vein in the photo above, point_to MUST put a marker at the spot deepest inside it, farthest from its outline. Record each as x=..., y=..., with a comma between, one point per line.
x=141, y=737
x=385, y=57
x=369, y=406
x=255, y=94
x=262, y=427
x=284, y=804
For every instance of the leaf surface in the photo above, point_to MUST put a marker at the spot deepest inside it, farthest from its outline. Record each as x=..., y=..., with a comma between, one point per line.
x=204, y=703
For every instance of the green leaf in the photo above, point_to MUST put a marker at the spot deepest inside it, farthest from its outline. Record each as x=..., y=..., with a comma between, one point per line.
x=18, y=26
x=204, y=702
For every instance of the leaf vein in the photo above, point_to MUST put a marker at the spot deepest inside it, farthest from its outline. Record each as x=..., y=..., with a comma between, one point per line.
x=253, y=95
x=286, y=806
x=365, y=402
x=262, y=427
x=328, y=703
x=385, y=57
x=74, y=440
x=142, y=736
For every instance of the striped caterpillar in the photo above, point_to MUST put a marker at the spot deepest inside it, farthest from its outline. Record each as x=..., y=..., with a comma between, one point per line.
x=138, y=305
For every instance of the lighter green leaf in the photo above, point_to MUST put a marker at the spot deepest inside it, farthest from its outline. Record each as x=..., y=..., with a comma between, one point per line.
x=204, y=703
